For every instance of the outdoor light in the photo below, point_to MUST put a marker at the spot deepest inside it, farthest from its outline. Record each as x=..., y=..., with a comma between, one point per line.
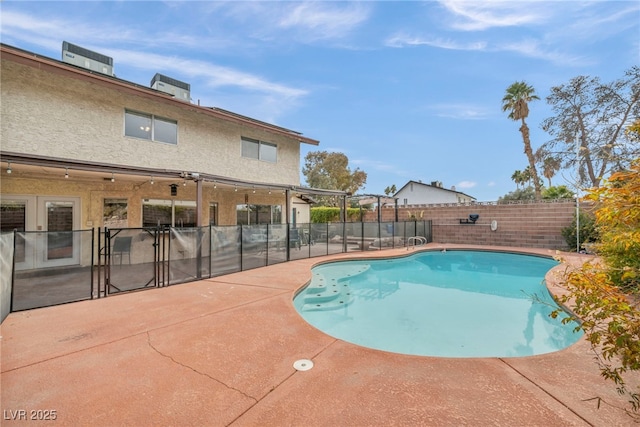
x=215, y=185
x=236, y=189
x=113, y=178
x=152, y=182
x=8, y=167
x=254, y=190
x=184, y=183
x=66, y=172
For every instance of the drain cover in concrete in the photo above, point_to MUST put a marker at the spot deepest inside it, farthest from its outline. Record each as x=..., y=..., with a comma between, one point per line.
x=303, y=365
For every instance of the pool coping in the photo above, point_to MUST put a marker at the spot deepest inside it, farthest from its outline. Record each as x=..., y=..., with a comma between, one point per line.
x=221, y=351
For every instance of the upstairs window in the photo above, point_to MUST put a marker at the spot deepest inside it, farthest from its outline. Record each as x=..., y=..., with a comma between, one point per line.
x=254, y=149
x=148, y=126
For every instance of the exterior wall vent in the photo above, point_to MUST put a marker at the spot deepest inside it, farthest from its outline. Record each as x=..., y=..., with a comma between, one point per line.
x=86, y=58
x=178, y=89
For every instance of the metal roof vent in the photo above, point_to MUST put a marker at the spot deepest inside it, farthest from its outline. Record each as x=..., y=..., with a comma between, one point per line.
x=180, y=90
x=85, y=58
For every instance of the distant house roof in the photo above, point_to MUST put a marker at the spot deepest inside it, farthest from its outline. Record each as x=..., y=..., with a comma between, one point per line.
x=436, y=185
x=49, y=64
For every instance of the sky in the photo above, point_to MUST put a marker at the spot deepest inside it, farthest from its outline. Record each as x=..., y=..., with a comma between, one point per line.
x=407, y=90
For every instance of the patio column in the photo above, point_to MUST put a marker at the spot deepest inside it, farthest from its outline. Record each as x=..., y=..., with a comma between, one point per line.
x=199, y=206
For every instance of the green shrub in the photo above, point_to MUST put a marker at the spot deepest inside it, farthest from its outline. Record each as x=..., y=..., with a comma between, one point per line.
x=588, y=231
x=324, y=214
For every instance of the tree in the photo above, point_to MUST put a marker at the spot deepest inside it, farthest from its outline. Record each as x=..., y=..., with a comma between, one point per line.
x=391, y=190
x=588, y=125
x=520, y=194
x=550, y=165
x=604, y=295
x=518, y=178
x=330, y=171
x=557, y=192
x=515, y=101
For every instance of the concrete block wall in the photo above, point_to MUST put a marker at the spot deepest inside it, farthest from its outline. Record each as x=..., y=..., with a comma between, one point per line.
x=533, y=225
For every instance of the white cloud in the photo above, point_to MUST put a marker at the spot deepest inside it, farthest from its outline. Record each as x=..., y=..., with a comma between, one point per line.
x=482, y=15
x=465, y=185
x=400, y=40
x=324, y=20
x=533, y=49
x=460, y=111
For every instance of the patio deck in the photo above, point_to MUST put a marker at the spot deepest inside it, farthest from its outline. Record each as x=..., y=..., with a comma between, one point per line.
x=220, y=352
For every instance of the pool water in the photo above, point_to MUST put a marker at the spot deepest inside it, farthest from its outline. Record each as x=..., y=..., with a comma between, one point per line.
x=448, y=304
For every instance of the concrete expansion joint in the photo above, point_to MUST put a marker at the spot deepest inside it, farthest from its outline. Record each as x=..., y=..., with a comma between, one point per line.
x=548, y=393
x=195, y=370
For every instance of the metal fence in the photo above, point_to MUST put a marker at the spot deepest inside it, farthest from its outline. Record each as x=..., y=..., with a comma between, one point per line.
x=53, y=268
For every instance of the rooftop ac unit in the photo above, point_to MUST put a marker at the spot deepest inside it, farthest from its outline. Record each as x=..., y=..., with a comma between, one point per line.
x=86, y=58
x=180, y=90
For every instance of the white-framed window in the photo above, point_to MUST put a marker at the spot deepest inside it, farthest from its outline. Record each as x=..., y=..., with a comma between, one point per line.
x=255, y=149
x=150, y=127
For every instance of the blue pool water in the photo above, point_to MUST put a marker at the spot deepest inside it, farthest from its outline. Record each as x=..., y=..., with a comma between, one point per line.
x=448, y=304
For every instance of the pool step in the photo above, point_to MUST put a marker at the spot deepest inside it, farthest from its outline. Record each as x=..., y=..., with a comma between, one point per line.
x=329, y=292
x=326, y=294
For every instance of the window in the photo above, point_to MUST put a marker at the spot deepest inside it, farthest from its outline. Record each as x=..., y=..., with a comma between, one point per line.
x=258, y=214
x=254, y=149
x=114, y=213
x=175, y=213
x=153, y=128
x=213, y=213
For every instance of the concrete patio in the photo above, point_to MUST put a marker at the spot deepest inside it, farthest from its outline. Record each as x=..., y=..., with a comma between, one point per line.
x=220, y=352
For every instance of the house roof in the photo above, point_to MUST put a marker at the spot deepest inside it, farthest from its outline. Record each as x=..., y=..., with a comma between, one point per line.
x=58, y=67
x=432, y=186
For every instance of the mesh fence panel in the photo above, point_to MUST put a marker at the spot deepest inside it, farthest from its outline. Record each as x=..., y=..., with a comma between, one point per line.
x=254, y=246
x=54, y=268
x=335, y=235
x=226, y=250
x=6, y=273
x=189, y=250
x=133, y=258
x=276, y=244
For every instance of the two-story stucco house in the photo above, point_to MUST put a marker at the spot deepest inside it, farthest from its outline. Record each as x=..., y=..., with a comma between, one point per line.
x=418, y=193
x=82, y=148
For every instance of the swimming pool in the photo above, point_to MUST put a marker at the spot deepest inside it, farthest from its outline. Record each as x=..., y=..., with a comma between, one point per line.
x=456, y=303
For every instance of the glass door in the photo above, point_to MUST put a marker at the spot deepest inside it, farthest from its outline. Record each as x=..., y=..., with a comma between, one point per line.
x=59, y=245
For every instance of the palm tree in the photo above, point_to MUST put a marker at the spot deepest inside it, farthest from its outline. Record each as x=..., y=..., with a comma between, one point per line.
x=550, y=166
x=517, y=178
x=516, y=102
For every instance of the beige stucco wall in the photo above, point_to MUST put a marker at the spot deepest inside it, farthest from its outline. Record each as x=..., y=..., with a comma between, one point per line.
x=53, y=115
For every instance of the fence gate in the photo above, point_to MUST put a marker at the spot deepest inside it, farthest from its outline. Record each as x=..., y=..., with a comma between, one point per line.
x=133, y=259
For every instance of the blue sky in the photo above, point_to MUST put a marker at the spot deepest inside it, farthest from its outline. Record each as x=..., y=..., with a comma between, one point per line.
x=407, y=90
